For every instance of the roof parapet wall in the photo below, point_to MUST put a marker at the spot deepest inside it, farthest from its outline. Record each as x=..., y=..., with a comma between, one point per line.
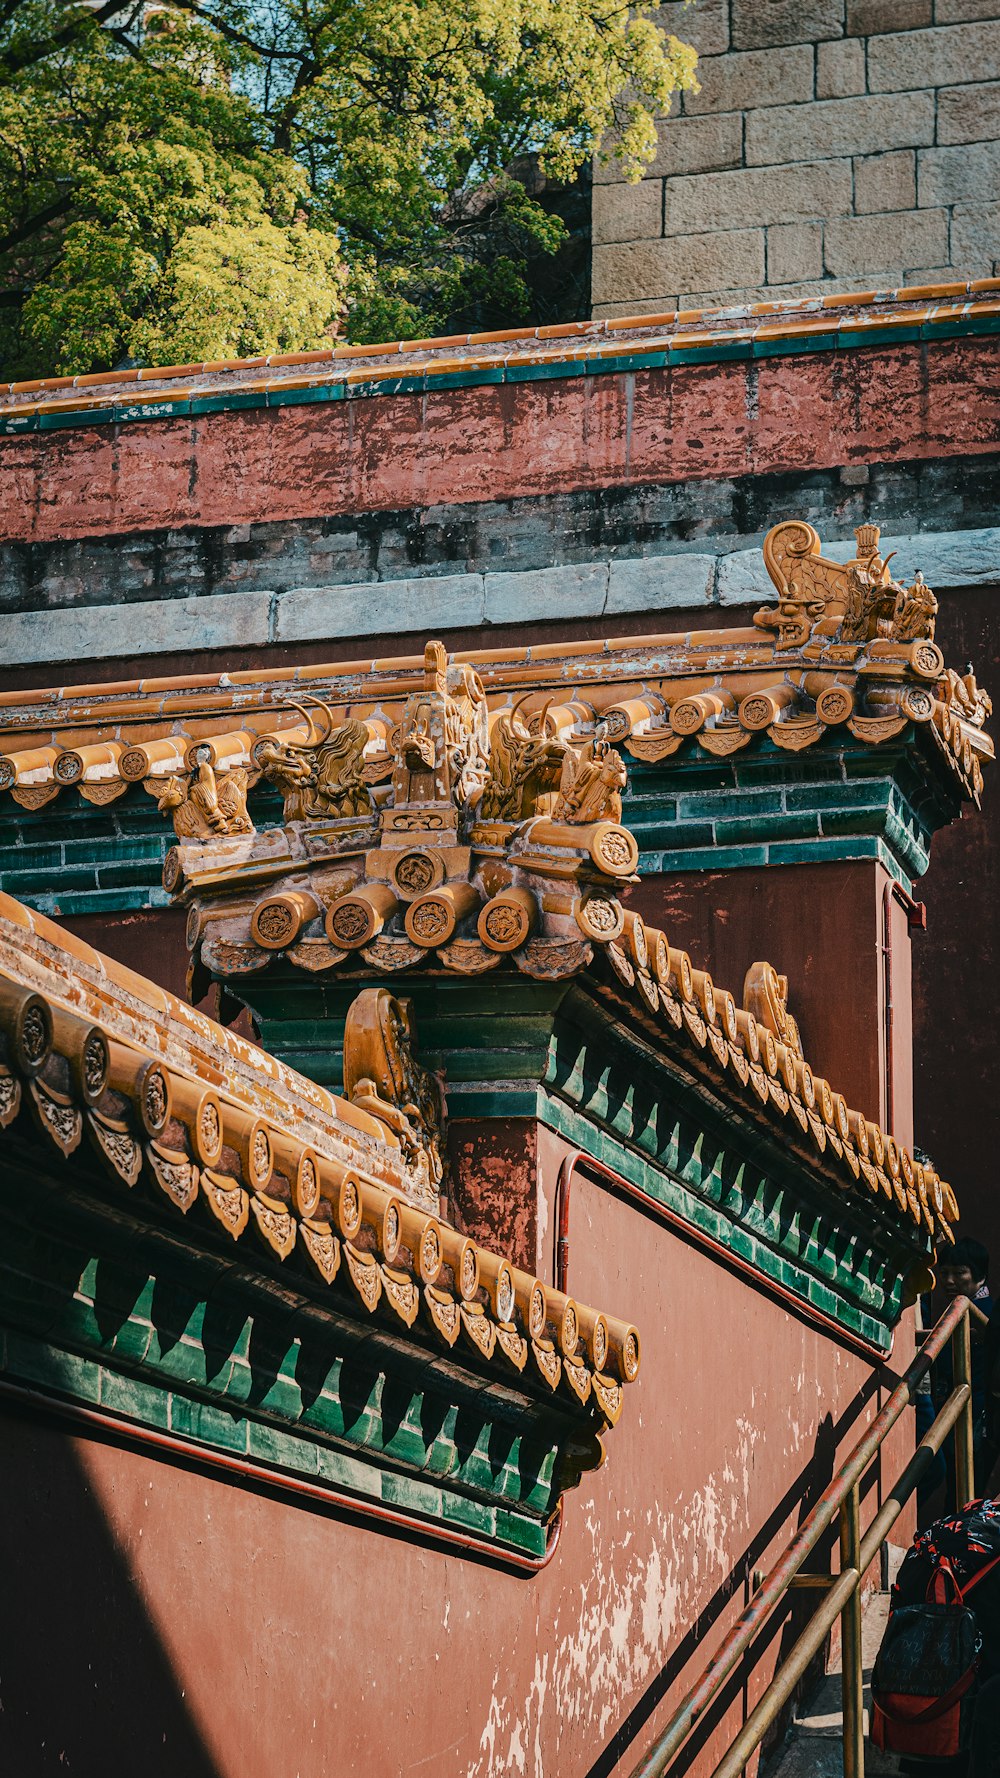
x=763, y=329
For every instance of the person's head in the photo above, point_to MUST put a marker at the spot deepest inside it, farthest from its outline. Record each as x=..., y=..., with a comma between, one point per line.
x=963, y=1268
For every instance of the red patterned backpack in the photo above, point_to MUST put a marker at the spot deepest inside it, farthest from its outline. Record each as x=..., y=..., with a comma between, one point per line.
x=927, y=1669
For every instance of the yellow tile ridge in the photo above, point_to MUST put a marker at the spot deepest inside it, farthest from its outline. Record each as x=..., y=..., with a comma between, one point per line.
x=462, y=347
x=880, y=321
x=753, y=1043
x=616, y=324
x=381, y=373
x=921, y=292
x=777, y=329
x=824, y=667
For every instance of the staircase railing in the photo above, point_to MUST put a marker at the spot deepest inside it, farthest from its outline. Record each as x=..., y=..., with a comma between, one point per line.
x=840, y=1592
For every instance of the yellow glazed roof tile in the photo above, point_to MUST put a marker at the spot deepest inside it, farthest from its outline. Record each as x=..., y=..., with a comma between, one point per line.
x=685, y=329
x=181, y=1109
x=844, y=644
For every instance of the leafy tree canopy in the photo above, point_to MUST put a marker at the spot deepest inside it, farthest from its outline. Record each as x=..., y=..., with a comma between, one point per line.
x=215, y=178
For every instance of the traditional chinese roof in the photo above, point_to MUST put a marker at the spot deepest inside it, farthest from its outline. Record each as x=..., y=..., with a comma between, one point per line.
x=441, y=840
x=847, y=648
x=464, y=816
x=942, y=311
x=750, y=1053
x=190, y=1117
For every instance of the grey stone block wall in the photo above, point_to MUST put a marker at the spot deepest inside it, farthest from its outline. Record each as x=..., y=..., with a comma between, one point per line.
x=834, y=145
x=621, y=559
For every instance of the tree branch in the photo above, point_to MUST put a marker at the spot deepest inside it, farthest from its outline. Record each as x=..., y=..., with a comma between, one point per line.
x=28, y=53
x=34, y=224
x=232, y=35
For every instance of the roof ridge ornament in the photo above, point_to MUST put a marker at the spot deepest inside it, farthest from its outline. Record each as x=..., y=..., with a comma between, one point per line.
x=434, y=839
x=206, y=805
x=383, y=1077
x=846, y=645
x=857, y=601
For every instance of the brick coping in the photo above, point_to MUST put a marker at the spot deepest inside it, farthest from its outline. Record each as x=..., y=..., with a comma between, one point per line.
x=402, y=366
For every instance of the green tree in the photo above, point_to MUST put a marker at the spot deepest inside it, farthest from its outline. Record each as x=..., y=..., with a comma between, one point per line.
x=212, y=178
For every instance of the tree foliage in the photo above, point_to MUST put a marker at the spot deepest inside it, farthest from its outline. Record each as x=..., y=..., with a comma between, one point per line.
x=212, y=178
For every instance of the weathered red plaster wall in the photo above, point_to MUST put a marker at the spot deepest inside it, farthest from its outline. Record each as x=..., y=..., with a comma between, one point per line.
x=821, y=925
x=873, y=404
x=492, y=1190
x=167, y=1622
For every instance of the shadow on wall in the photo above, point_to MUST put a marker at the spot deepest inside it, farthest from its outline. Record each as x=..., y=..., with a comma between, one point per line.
x=632, y=1738
x=86, y=1687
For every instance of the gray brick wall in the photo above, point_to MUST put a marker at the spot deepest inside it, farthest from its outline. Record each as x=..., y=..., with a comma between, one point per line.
x=835, y=144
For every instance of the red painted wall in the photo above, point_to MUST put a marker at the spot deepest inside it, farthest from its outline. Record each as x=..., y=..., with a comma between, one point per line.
x=872, y=404
x=821, y=925
x=170, y=1623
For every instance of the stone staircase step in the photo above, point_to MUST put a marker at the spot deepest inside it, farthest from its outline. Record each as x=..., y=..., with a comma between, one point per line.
x=813, y=1747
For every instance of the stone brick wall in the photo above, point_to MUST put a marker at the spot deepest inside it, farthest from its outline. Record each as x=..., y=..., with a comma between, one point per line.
x=834, y=145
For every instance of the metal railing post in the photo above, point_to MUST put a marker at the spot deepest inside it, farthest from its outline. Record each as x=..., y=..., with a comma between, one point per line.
x=840, y=1593
x=850, y=1635
x=961, y=1370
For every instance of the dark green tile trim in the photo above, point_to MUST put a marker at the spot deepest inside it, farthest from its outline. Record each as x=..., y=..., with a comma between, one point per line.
x=39, y=1365
x=95, y=417
x=171, y=1335
x=818, y=342
x=649, y=1104
x=722, y=353
x=843, y=338
x=528, y=372
x=625, y=362
x=462, y=379
x=565, y=1051
x=165, y=410
x=872, y=1313
x=848, y=338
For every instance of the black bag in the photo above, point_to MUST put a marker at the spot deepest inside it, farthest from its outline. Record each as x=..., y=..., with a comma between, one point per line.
x=924, y=1680
x=970, y=1543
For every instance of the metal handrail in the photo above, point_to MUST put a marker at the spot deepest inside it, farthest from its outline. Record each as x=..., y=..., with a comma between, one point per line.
x=842, y=1591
